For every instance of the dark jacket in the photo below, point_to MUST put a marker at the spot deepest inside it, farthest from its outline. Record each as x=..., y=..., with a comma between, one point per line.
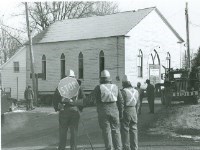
x=58, y=99
x=150, y=91
x=111, y=106
x=28, y=94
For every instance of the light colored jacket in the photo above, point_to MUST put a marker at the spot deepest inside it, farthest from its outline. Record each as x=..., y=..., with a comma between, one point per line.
x=109, y=92
x=131, y=97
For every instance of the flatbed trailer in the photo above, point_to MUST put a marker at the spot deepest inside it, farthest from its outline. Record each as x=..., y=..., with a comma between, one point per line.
x=180, y=85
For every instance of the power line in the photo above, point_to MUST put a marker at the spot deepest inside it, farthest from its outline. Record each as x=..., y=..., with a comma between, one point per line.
x=12, y=37
x=196, y=25
x=13, y=28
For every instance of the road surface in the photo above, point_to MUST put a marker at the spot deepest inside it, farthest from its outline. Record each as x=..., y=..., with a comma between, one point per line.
x=38, y=130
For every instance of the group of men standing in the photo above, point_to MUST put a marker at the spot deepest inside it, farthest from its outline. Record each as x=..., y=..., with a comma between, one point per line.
x=117, y=113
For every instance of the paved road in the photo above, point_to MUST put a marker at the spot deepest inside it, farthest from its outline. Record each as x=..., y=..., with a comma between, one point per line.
x=38, y=130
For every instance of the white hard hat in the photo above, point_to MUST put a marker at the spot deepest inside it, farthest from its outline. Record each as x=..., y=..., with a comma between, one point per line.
x=105, y=74
x=125, y=78
x=70, y=73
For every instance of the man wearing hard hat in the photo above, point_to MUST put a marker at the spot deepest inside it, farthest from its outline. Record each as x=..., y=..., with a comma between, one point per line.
x=109, y=108
x=129, y=121
x=69, y=115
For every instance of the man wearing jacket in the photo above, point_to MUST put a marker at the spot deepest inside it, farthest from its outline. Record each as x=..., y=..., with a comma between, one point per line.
x=141, y=94
x=109, y=108
x=69, y=116
x=28, y=95
x=129, y=121
x=150, y=96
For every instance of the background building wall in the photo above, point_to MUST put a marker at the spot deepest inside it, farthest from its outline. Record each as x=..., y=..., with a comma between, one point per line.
x=151, y=33
x=15, y=80
x=71, y=49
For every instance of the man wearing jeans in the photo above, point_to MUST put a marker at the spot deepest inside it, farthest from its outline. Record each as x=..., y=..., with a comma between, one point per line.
x=69, y=115
x=129, y=121
x=109, y=108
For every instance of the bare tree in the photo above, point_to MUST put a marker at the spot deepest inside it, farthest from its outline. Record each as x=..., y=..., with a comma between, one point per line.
x=44, y=13
x=10, y=41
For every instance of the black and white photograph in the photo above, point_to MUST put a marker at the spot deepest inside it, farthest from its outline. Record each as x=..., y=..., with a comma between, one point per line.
x=100, y=74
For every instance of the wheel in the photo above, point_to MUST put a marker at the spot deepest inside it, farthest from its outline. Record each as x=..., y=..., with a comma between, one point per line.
x=195, y=100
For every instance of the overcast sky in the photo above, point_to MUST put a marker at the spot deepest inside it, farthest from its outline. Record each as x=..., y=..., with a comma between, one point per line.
x=173, y=10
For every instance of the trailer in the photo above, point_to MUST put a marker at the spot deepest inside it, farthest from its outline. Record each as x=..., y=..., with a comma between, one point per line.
x=180, y=85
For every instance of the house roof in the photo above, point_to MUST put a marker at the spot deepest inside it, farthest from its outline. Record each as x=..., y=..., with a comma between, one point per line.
x=117, y=24
x=92, y=27
x=18, y=52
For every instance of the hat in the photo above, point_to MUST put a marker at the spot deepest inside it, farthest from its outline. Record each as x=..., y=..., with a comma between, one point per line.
x=139, y=84
x=70, y=73
x=125, y=78
x=105, y=74
x=147, y=81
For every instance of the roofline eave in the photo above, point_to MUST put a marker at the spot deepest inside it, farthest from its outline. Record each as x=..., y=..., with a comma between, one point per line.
x=123, y=35
x=20, y=49
x=169, y=25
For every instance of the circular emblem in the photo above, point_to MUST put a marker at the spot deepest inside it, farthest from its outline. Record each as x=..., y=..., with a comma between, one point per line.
x=68, y=87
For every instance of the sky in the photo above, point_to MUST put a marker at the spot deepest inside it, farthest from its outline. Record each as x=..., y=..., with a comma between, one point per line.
x=173, y=10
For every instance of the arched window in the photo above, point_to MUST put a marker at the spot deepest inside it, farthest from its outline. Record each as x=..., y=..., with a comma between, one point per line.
x=168, y=60
x=44, y=67
x=62, y=66
x=140, y=63
x=156, y=58
x=80, y=64
x=101, y=62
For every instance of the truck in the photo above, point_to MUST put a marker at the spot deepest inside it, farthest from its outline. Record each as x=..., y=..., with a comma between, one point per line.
x=180, y=85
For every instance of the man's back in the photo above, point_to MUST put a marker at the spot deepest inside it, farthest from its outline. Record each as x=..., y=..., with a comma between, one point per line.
x=150, y=91
x=108, y=106
x=141, y=92
x=29, y=94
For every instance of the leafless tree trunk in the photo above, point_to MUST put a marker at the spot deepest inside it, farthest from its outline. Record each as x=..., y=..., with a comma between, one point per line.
x=9, y=43
x=45, y=13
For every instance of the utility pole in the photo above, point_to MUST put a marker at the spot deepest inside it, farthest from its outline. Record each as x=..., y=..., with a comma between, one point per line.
x=31, y=54
x=187, y=35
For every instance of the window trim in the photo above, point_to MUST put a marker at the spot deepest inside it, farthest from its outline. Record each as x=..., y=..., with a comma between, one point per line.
x=156, y=55
x=140, y=56
x=15, y=67
x=80, y=66
x=168, y=59
x=101, y=58
x=44, y=67
x=62, y=65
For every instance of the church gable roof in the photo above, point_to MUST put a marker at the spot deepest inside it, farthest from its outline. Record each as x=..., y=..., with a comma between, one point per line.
x=92, y=27
x=117, y=24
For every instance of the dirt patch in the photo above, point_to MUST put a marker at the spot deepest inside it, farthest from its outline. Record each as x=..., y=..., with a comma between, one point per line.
x=182, y=131
x=178, y=120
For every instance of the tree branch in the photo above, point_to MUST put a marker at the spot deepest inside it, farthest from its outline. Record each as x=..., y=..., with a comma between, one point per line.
x=12, y=37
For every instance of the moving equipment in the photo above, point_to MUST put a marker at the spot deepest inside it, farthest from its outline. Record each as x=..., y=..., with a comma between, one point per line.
x=180, y=85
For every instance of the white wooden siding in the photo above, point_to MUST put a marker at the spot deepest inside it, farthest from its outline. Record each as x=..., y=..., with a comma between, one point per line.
x=90, y=49
x=151, y=33
x=9, y=77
